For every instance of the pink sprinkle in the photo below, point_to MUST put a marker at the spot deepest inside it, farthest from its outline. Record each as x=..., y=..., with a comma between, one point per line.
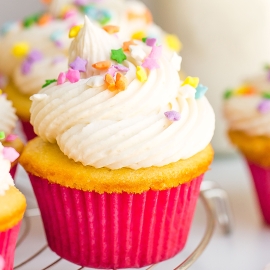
x=151, y=42
x=69, y=14
x=156, y=52
x=73, y=75
x=61, y=78
x=10, y=154
x=11, y=137
x=112, y=70
x=2, y=263
x=150, y=63
x=264, y=106
x=173, y=115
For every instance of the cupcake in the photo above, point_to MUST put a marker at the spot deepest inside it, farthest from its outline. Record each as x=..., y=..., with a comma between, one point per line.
x=7, y=124
x=12, y=207
x=122, y=149
x=247, y=110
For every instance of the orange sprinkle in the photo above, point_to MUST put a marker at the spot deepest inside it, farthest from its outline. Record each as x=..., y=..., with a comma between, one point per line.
x=127, y=44
x=121, y=82
x=103, y=65
x=109, y=81
x=111, y=29
x=147, y=16
x=44, y=19
x=46, y=1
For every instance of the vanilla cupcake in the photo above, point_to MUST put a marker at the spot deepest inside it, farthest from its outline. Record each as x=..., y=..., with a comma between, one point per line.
x=247, y=110
x=12, y=207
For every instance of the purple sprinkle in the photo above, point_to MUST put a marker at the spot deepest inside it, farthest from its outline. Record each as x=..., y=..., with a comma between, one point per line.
x=79, y=64
x=26, y=67
x=34, y=56
x=59, y=44
x=112, y=70
x=156, y=52
x=121, y=68
x=151, y=42
x=173, y=115
x=58, y=59
x=264, y=106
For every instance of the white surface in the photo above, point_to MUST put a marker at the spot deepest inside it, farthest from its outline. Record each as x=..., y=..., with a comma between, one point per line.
x=247, y=248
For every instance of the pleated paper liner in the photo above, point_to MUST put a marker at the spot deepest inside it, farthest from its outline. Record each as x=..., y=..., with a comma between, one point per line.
x=28, y=130
x=116, y=230
x=7, y=246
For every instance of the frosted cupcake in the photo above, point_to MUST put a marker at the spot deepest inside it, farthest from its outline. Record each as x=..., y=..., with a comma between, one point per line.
x=123, y=145
x=7, y=124
x=12, y=207
x=247, y=110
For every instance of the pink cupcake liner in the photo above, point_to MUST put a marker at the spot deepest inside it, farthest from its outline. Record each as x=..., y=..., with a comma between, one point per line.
x=261, y=179
x=13, y=171
x=7, y=245
x=28, y=130
x=116, y=230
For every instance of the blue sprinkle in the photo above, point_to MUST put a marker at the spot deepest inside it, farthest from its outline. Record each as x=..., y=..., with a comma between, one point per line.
x=200, y=91
x=56, y=35
x=6, y=27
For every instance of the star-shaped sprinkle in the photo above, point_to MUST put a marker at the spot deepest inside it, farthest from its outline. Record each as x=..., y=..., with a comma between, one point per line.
x=20, y=49
x=173, y=115
x=156, y=52
x=266, y=95
x=48, y=82
x=200, y=91
x=127, y=44
x=74, y=31
x=264, y=106
x=112, y=70
x=79, y=64
x=11, y=137
x=141, y=74
x=73, y=75
x=109, y=81
x=151, y=42
x=121, y=82
x=103, y=65
x=139, y=35
x=118, y=55
x=228, y=93
x=173, y=42
x=121, y=68
x=144, y=39
x=61, y=78
x=2, y=135
x=150, y=63
x=10, y=154
x=111, y=29
x=192, y=81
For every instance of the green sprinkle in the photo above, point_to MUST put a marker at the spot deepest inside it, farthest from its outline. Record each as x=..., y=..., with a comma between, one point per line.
x=29, y=21
x=144, y=39
x=118, y=55
x=48, y=82
x=228, y=94
x=266, y=95
x=2, y=135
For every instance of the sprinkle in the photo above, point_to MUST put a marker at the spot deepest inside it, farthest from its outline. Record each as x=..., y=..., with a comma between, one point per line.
x=137, y=53
x=127, y=44
x=245, y=90
x=103, y=65
x=144, y=39
x=7, y=27
x=73, y=75
x=138, y=35
x=20, y=49
x=103, y=16
x=176, y=61
x=26, y=67
x=11, y=137
x=59, y=44
x=264, y=106
x=112, y=70
x=118, y=55
x=111, y=29
x=69, y=13
x=80, y=2
x=44, y=19
x=1, y=92
x=61, y=78
x=29, y=21
x=56, y=35
x=121, y=82
x=48, y=82
x=156, y=52
x=73, y=32
x=192, y=81
x=10, y=154
x=109, y=81
x=200, y=91
x=2, y=135
x=121, y=68
x=150, y=63
x=141, y=74
x=266, y=95
x=151, y=42
x=173, y=115
x=173, y=42
x=79, y=64
x=58, y=59
x=34, y=56
x=95, y=81
x=228, y=94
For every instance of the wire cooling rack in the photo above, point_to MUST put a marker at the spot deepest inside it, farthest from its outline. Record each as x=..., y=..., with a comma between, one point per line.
x=32, y=250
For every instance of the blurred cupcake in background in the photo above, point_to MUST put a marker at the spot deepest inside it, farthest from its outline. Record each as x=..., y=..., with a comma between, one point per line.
x=247, y=110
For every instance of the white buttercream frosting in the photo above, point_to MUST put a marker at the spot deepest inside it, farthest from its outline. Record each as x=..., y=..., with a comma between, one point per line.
x=5, y=178
x=112, y=129
x=242, y=110
x=8, y=117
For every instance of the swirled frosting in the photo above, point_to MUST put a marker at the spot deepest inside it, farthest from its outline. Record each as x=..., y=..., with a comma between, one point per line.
x=5, y=178
x=247, y=108
x=8, y=117
x=116, y=129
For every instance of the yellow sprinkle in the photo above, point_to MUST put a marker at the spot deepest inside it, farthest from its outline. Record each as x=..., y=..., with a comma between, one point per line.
x=173, y=42
x=141, y=74
x=245, y=90
x=139, y=35
x=73, y=32
x=20, y=49
x=193, y=81
x=1, y=92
